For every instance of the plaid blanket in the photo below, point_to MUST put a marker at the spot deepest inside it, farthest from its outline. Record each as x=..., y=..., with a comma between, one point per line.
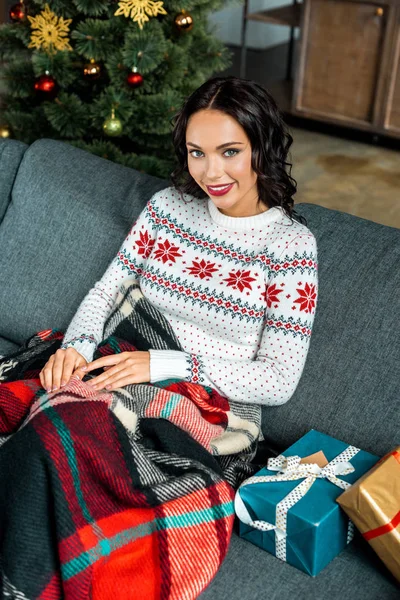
x=124, y=494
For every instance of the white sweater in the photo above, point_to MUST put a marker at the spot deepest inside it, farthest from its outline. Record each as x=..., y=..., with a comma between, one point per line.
x=240, y=294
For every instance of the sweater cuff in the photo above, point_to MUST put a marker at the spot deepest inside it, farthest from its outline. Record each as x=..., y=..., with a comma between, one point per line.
x=168, y=364
x=85, y=345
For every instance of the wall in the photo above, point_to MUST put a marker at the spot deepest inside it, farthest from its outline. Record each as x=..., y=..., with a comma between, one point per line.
x=258, y=35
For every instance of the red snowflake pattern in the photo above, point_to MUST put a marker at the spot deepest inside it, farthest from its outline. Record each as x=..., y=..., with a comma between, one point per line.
x=271, y=294
x=202, y=269
x=145, y=244
x=166, y=252
x=240, y=280
x=307, y=297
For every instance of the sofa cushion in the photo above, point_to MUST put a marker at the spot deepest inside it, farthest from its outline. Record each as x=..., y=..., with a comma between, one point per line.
x=350, y=384
x=251, y=573
x=69, y=214
x=11, y=153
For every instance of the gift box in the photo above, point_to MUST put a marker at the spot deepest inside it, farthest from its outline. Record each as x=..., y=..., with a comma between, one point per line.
x=373, y=504
x=289, y=508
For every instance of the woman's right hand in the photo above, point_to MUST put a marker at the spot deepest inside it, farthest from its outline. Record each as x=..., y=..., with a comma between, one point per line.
x=59, y=368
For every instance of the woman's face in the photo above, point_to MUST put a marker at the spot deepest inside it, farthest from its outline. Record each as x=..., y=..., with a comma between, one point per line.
x=219, y=154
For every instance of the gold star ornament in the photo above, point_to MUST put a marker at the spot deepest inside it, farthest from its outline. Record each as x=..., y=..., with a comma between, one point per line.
x=50, y=33
x=140, y=10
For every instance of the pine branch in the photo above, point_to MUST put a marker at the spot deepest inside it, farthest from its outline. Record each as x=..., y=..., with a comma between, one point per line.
x=29, y=126
x=60, y=65
x=23, y=32
x=68, y=115
x=146, y=164
x=154, y=145
x=153, y=113
x=146, y=48
x=105, y=149
x=63, y=8
x=97, y=38
x=11, y=46
x=208, y=54
x=91, y=8
x=110, y=98
x=172, y=70
x=116, y=69
x=18, y=78
x=151, y=165
x=194, y=79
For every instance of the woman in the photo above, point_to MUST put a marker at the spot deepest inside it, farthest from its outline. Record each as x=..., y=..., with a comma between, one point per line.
x=130, y=493
x=236, y=274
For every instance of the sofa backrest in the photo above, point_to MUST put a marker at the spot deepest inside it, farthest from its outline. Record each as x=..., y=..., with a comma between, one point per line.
x=69, y=214
x=11, y=153
x=350, y=387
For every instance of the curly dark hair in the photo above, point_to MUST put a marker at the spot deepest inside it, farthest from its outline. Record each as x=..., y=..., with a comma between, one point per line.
x=257, y=112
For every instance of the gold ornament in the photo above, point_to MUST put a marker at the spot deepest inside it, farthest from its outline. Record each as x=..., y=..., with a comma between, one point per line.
x=4, y=132
x=184, y=21
x=92, y=70
x=112, y=126
x=139, y=9
x=52, y=32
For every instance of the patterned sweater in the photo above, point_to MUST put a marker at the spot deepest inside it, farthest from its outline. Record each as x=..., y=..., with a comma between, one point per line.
x=240, y=293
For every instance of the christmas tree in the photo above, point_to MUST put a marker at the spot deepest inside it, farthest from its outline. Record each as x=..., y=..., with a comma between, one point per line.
x=106, y=76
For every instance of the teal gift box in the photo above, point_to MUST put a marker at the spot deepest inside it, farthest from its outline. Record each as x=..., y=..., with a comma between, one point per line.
x=290, y=509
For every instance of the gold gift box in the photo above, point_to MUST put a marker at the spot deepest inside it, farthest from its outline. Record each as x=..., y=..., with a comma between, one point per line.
x=373, y=504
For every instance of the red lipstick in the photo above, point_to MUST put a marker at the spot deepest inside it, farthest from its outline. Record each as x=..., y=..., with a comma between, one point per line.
x=220, y=190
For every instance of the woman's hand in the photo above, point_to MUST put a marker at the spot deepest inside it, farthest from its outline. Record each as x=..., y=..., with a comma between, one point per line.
x=60, y=367
x=120, y=369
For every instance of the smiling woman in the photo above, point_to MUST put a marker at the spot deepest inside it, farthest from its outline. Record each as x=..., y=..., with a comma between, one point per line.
x=240, y=140
x=220, y=254
x=222, y=170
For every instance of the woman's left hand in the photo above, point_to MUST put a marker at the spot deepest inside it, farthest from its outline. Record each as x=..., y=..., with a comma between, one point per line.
x=122, y=369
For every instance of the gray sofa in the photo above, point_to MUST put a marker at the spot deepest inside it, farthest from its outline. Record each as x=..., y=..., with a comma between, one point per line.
x=63, y=216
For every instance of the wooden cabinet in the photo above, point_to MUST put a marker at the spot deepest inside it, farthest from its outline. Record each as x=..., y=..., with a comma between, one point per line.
x=348, y=67
x=392, y=106
x=340, y=59
x=346, y=64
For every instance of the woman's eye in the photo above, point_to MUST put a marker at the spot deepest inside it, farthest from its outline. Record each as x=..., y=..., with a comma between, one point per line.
x=232, y=150
x=225, y=153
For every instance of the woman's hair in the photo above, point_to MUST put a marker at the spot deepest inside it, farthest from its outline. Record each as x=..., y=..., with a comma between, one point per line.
x=256, y=111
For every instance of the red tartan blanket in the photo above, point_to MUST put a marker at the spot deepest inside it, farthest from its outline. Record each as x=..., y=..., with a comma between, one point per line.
x=116, y=494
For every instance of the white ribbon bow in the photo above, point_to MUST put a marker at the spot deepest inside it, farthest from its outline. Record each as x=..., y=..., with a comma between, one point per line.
x=290, y=468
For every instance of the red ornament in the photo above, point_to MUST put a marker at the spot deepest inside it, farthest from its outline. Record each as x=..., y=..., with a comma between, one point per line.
x=17, y=12
x=47, y=86
x=134, y=79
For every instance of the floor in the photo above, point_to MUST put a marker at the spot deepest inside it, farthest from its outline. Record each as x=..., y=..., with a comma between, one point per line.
x=340, y=171
x=350, y=176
